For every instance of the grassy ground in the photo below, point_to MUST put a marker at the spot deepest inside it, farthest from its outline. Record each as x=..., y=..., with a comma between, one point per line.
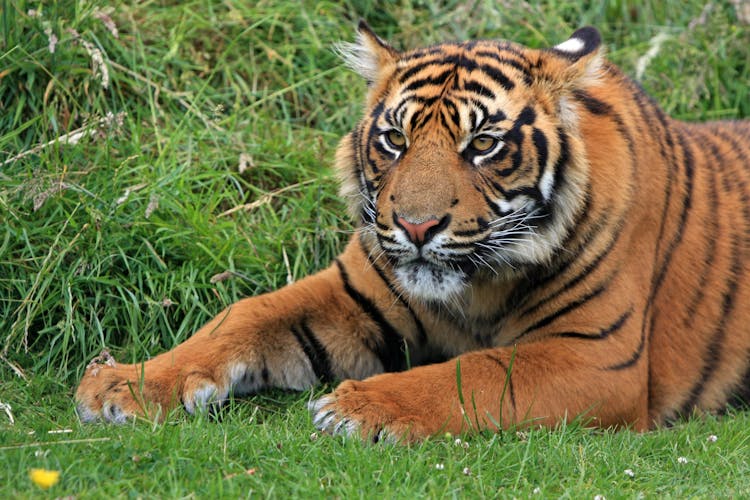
x=147, y=149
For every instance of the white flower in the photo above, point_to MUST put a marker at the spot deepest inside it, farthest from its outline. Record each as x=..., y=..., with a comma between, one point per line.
x=51, y=40
x=600, y=497
x=712, y=438
x=439, y=466
x=629, y=473
x=467, y=471
x=682, y=460
x=537, y=490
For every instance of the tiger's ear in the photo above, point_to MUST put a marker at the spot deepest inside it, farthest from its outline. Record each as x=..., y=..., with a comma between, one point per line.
x=569, y=67
x=370, y=55
x=575, y=63
x=584, y=42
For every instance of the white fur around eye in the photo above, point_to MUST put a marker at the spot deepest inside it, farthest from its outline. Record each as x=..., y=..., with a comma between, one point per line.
x=479, y=158
x=387, y=145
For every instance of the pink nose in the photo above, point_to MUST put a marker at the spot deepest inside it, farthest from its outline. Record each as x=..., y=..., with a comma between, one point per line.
x=416, y=232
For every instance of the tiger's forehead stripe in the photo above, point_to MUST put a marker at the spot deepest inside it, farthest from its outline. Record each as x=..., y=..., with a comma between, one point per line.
x=489, y=58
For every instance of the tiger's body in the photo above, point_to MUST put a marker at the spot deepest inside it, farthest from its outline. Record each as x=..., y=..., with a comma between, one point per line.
x=531, y=218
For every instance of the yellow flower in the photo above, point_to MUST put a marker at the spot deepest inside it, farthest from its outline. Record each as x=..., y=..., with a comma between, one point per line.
x=44, y=478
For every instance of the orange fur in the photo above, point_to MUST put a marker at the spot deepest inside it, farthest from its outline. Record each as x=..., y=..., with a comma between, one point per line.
x=545, y=230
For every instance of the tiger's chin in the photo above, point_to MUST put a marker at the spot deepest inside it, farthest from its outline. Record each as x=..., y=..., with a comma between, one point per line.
x=430, y=283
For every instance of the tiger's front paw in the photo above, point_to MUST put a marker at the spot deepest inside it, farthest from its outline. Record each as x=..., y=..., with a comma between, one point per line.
x=393, y=407
x=117, y=393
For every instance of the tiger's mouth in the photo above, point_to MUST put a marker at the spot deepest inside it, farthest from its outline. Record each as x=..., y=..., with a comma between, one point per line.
x=438, y=266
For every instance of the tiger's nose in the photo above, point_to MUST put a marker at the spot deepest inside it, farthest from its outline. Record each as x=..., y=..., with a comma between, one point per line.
x=421, y=232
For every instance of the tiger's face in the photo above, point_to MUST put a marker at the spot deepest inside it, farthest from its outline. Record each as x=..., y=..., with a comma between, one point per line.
x=462, y=167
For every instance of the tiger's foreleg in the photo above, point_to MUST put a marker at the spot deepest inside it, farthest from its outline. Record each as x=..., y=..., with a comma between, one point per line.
x=318, y=329
x=541, y=383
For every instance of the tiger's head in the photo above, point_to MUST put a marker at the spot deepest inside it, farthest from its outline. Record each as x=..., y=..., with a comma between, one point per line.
x=468, y=163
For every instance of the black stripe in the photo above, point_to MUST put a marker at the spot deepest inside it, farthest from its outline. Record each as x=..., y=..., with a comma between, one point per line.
x=472, y=114
x=400, y=110
x=444, y=120
x=478, y=88
x=385, y=238
x=421, y=334
x=468, y=232
x=499, y=48
x=438, y=80
x=414, y=120
x=391, y=350
x=496, y=117
x=540, y=143
x=427, y=116
x=314, y=350
x=530, y=191
x=425, y=52
x=661, y=271
x=514, y=136
x=589, y=268
x=497, y=76
x=377, y=110
x=455, y=115
x=601, y=334
x=410, y=72
x=570, y=306
x=562, y=161
x=712, y=236
x=713, y=351
x=264, y=374
x=523, y=68
x=497, y=158
x=592, y=104
x=458, y=244
x=526, y=117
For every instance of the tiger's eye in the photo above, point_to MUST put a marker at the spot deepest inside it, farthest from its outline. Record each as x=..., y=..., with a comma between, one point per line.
x=483, y=143
x=396, y=138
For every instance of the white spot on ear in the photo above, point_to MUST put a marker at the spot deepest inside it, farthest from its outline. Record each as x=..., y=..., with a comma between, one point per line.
x=571, y=46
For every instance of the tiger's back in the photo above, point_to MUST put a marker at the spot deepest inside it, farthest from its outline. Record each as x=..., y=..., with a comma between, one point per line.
x=700, y=345
x=691, y=198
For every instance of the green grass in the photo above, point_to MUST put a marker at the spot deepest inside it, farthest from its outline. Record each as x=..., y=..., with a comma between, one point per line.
x=114, y=240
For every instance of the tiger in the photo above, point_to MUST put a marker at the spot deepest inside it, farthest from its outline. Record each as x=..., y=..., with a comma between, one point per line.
x=535, y=241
